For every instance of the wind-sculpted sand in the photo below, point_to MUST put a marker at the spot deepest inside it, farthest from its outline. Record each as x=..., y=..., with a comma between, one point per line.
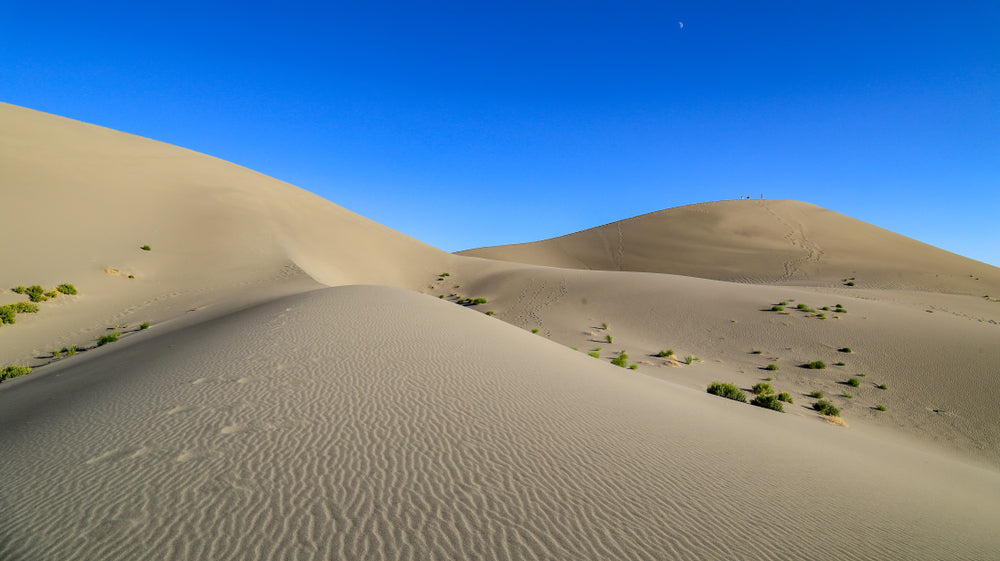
x=375, y=423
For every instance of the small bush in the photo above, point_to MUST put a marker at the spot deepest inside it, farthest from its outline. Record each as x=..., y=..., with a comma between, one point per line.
x=862, y=374
x=826, y=408
x=478, y=301
x=534, y=330
x=854, y=382
x=109, y=338
x=575, y=349
x=7, y=315
x=144, y=325
x=785, y=396
x=36, y=293
x=56, y=353
x=71, y=351
x=821, y=315
x=145, y=248
x=755, y=352
x=782, y=303
x=772, y=367
x=634, y=367
x=840, y=363
x=490, y=313
x=817, y=395
x=604, y=326
x=816, y=365
x=802, y=306
x=51, y=294
x=768, y=379
x=666, y=353
x=727, y=390
x=825, y=308
x=25, y=308
x=595, y=354
x=14, y=371
x=851, y=283
x=848, y=396
x=880, y=407
x=689, y=359
x=777, y=308
x=66, y=288
x=609, y=338
x=882, y=387
x=845, y=350
x=762, y=388
x=19, y=289
x=445, y=275
x=620, y=360
x=768, y=401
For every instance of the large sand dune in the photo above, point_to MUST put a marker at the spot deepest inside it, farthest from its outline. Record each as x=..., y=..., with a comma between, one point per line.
x=761, y=241
x=375, y=423
x=265, y=415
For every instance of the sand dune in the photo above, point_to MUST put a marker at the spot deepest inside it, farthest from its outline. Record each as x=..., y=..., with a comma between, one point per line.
x=330, y=425
x=266, y=415
x=759, y=241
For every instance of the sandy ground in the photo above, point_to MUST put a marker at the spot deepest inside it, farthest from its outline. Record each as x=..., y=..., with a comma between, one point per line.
x=266, y=415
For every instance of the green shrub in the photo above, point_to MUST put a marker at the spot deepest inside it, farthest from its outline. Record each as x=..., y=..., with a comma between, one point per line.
x=727, y=390
x=51, y=294
x=144, y=325
x=145, y=248
x=862, y=374
x=845, y=350
x=821, y=315
x=575, y=349
x=66, y=288
x=768, y=401
x=782, y=303
x=772, y=367
x=826, y=408
x=7, y=315
x=880, y=407
x=803, y=307
x=595, y=354
x=851, y=283
x=777, y=308
x=768, y=379
x=109, y=338
x=609, y=338
x=816, y=365
x=56, y=353
x=689, y=359
x=621, y=360
x=478, y=301
x=817, y=395
x=36, y=293
x=445, y=275
x=634, y=367
x=14, y=371
x=666, y=353
x=854, y=382
x=534, y=330
x=882, y=387
x=825, y=308
x=604, y=326
x=785, y=396
x=19, y=289
x=490, y=313
x=762, y=388
x=840, y=363
x=755, y=352
x=70, y=351
x=25, y=308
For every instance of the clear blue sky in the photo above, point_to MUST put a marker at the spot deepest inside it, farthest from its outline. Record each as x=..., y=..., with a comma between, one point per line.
x=478, y=123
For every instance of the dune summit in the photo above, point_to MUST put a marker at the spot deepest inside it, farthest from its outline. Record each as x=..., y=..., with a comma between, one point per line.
x=307, y=387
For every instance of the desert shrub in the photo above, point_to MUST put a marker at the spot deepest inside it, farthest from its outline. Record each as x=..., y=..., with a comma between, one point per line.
x=19, y=289
x=816, y=365
x=25, y=307
x=854, y=382
x=534, y=330
x=821, y=315
x=825, y=308
x=840, y=363
x=574, y=348
x=762, y=388
x=727, y=390
x=36, y=293
x=620, y=360
x=604, y=326
x=755, y=352
x=144, y=325
x=826, y=408
x=772, y=366
x=131, y=276
x=109, y=338
x=445, y=275
x=785, y=396
x=782, y=303
x=66, y=288
x=817, y=395
x=862, y=374
x=145, y=248
x=880, y=407
x=13, y=371
x=634, y=367
x=51, y=294
x=609, y=338
x=851, y=283
x=802, y=306
x=768, y=401
x=845, y=350
x=882, y=387
x=7, y=315
x=690, y=359
x=666, y=353
x=56, y=353
x=768, y=379
x=478, y=301
x=777, y=308
x=595, y=354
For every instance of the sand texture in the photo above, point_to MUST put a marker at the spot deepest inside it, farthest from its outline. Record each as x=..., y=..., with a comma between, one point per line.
x=314, y=385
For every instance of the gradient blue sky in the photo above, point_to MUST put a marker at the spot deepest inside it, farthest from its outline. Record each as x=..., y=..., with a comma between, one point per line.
x=479, y=123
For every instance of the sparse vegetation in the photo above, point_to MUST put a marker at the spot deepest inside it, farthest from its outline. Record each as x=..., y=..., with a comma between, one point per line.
x=862, y=374
x=768, y=401
x=882, y=387
x=490, y=313
x=690, y=359
x=727, y=390
x=144, y=325
x=845, y=350
x=36, y=293
x=534, y=330
x=850, y=283
x=109, y=338
x=56, y=353
x=666, y=353
x=782, y=303
x=768, y=379
x=609, y=338
x=847, y=395
x=826, y=408
x=595, y=354
x=145, y=248
x=853, y=382
x=777, y=308
x=621, y=360
x=19, y=289
x=634, y=367
x=785, y=396
x=604, y=326
x=817, y=395
x=66, y=288
x=13, y=371
x=816, y=365
x=70, y=351
x=445, y=275
x=880, y=407
x=762, y=388
x=840, y=363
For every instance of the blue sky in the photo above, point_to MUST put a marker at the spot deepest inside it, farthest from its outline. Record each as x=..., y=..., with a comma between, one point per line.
x=479, y=123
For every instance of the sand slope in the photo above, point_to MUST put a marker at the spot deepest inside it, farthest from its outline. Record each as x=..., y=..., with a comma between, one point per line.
x=330, y=425
x=760, y=241
x=82, y=199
